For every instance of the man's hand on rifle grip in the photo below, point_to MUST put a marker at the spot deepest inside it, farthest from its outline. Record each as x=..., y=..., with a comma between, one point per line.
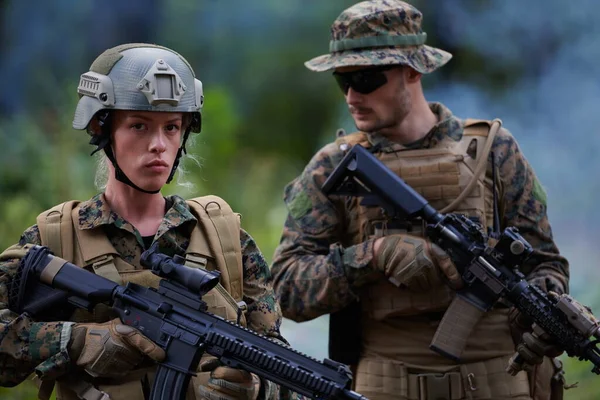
x=414, y=262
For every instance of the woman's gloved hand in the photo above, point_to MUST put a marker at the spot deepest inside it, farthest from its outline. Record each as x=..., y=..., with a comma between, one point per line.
x=110, y=349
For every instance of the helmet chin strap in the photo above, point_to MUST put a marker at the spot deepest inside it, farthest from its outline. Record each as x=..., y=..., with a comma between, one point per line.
x=102, y=142
x=179, y=153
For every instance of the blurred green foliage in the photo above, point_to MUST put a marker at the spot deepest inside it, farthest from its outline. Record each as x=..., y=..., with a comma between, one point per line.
x=265, y=114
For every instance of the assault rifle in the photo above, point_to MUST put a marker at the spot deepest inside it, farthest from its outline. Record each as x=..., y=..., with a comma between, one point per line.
x=175, y=318
x=489, y=272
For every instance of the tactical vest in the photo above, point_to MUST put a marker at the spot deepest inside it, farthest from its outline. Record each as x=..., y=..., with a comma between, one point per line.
x=214, y=245
x=398, y=324
x=440, y=174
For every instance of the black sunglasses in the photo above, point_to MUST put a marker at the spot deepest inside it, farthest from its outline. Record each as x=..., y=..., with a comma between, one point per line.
x=363, y=81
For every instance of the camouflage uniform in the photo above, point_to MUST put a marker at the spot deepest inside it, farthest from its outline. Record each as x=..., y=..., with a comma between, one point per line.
x=314, y=272
x=27, y=345
x=357, y=39
x=323, y=265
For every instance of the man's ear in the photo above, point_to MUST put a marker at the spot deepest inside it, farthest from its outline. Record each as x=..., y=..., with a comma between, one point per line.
x=411, y=75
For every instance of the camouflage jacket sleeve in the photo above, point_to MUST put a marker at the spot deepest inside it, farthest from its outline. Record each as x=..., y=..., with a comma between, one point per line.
x=314, y=274
x=523, y=205
x=263, y=314
x=26, y=345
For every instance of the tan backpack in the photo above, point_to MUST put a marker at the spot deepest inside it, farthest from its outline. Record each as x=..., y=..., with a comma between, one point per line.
x=215, y=240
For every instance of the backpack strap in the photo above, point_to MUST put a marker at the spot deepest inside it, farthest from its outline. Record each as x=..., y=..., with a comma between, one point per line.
x=220, y=230
x=350, y=139
x=56, y=229
x=80, y=246
x=477, y=131
x=96, y=251
x=482, y=129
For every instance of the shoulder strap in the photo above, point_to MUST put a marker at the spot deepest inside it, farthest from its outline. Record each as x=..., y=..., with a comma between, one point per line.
x=473, y=128
x=80, y=246
x=477, y=131
x=478, y=127
x=56, y=229
x=220, y=227
x=353, y=138
x=96, y=250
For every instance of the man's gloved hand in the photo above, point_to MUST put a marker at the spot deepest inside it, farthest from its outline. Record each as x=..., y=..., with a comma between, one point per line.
x=533, y=343
x=414, y=262
x=532, y=349
x=227, y=383
x=110, y=349
x=535, y=347
x=548, y=283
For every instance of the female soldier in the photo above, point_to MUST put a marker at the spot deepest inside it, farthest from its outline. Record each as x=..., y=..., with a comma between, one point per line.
x=139, y=102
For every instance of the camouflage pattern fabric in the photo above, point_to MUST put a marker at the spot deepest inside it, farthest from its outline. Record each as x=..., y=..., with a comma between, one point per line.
x=27, y=346
x=317, y=269
x=379, y=32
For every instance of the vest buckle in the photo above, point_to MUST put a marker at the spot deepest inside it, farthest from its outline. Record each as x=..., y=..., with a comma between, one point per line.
x=446, y=386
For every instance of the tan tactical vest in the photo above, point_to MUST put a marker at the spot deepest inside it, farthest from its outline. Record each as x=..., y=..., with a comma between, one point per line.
x=398, y=324
x=214, y=245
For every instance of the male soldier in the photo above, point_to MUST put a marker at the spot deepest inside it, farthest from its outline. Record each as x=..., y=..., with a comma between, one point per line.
x=334, y=251
x=139, y=102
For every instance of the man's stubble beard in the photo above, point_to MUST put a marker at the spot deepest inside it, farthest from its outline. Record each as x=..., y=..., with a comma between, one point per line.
x=398, y=114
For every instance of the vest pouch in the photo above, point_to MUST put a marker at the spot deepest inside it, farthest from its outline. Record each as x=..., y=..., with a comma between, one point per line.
x=383, y=300
x=221, y=303
x=388, y=379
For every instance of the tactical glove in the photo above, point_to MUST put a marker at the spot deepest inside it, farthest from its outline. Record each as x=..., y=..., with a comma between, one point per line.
x=548, y=283
x=532, y=349
x=227, y=383
x=110, y=349
x=414, y=262
x=535, y=347
x=533, y=343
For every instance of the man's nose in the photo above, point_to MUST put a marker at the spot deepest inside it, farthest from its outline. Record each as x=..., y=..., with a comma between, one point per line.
x=353, y=97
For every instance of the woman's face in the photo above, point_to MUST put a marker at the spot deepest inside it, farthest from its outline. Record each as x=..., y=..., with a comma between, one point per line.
x=145, y=145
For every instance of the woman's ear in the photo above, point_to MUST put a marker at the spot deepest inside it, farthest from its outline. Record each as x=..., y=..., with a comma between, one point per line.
x=94, y=127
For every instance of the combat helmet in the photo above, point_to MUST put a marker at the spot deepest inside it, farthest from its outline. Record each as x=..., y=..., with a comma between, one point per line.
x=137, y=76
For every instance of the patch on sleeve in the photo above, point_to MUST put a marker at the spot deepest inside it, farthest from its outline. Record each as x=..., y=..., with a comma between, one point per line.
x=300, y=205
x=538, y=192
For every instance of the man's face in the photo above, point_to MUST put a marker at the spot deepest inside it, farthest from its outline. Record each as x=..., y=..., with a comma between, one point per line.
x=384, y=107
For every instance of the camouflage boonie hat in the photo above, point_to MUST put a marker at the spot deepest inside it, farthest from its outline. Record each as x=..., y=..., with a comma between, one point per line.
x=379, y=32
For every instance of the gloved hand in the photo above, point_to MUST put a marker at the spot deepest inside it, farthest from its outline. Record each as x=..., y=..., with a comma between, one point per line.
x=110, y=349
x=414, y=262
x=548, y=283
x=532, y=350
x=227, y=383
x=535, y=347
x=533, y=343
